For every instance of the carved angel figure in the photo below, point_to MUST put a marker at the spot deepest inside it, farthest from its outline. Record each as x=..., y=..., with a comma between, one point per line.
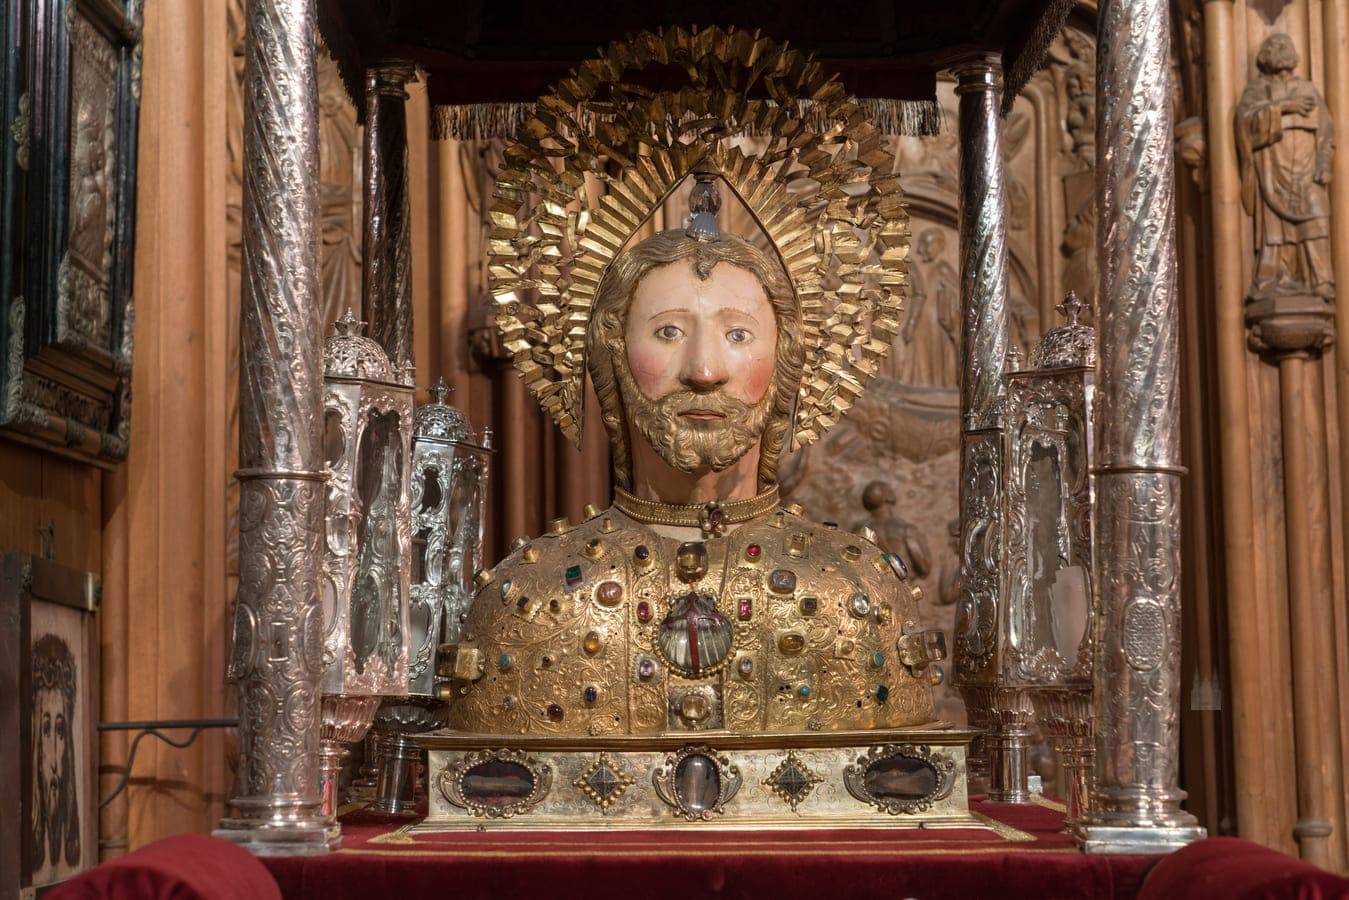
x=1285, y=141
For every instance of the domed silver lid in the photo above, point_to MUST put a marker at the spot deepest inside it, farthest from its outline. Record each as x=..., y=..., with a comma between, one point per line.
x=1068, y=345
x=349, y=354
x=439, y=421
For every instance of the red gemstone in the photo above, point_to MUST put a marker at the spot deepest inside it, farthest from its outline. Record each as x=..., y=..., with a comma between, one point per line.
x=753, y=551
x=555, y=712
x=746, y=608
x=643, y=612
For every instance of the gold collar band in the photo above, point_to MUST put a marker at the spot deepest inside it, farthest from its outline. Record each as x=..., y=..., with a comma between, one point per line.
x=712, y=517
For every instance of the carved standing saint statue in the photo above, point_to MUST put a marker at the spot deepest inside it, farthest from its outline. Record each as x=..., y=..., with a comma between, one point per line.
x=1285, y=140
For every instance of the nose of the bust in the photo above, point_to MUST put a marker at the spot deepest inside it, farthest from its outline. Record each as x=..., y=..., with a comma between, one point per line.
x=705, y=367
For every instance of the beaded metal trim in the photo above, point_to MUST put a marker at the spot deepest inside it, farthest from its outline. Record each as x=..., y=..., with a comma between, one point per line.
x=712, y=517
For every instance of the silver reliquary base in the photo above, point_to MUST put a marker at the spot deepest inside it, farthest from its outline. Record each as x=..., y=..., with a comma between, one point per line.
x=900, y=777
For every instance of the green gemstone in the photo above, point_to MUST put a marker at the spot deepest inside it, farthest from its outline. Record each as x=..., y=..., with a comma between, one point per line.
x=504, y=661
x=573, y=575
x=878, y=659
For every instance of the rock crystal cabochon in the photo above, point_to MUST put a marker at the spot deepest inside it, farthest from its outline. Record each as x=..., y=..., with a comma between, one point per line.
x=829, y=201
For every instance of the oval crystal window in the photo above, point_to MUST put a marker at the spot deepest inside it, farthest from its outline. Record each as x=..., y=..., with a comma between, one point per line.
x=497, y=783
x=901, y=778
x=697, y=783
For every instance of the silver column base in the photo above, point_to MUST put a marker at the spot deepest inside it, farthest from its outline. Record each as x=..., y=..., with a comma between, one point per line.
x=281, y=835
x=1137, y=838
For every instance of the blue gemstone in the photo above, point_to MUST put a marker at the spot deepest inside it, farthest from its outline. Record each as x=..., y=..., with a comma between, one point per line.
x=878, y=659
x=504, y=661
x=591, y=693
x=804, y=690
x=882, y=693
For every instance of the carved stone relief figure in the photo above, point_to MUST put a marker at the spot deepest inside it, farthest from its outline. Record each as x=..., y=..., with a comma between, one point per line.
x=340, y=194
x=1285, y=142
x=879, y=500
x=1077, y=56
x=931, y=332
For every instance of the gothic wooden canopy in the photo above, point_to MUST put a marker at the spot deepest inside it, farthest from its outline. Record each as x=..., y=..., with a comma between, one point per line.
x=511, y=51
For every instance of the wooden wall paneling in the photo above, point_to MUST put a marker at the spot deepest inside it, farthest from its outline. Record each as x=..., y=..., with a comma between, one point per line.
x=422, y=182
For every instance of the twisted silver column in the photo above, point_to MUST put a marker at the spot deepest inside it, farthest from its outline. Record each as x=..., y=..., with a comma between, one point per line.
x=1000, y=756
x=1136, y=801
x=277, y=652
x=386, y=254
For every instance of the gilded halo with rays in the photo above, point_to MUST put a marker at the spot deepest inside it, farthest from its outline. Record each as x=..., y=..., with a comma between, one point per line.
x=636, y=121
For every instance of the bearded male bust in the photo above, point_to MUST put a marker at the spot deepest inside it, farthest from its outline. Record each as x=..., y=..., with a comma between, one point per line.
x=696, y=603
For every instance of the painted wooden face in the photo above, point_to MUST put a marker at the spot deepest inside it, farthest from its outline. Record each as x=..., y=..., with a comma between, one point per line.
x=709, y=335
x=702, y=353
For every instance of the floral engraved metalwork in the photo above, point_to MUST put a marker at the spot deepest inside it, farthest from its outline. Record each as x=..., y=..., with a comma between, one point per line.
x=504, y=794
x=21, y=130
x=980, y=552
x=604, y=782
x=792, y=780
x=697, y=781
x=866, y=781
x=1047, y=529
x=1138, y=427
x=280, y=434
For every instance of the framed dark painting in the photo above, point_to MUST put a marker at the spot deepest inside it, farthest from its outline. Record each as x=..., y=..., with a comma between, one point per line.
x=69, y=104
x=49, y=700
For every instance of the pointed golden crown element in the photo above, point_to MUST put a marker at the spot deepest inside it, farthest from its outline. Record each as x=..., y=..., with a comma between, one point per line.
x=602, y=152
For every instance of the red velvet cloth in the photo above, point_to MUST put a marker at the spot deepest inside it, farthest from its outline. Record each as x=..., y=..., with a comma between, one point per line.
x=183, y=867
x=377, y=861
x=1234, y=869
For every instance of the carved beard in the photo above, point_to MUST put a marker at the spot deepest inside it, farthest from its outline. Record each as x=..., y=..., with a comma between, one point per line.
x=692, y=446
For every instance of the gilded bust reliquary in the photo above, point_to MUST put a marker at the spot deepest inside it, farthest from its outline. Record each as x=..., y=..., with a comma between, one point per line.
x=612, y=674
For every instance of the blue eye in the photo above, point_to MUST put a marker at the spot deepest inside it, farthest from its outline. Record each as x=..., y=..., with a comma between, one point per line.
x=739, y=336
x=669, y=332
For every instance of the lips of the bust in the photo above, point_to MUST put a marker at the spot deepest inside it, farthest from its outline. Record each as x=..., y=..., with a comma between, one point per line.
x=703, y=415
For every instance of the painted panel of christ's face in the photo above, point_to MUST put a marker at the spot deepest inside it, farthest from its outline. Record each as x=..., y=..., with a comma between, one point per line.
x=702, y=352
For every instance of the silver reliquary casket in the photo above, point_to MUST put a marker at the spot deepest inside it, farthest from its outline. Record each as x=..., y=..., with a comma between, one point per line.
x=367, y=559
x=1047, y=634
x=449, y=497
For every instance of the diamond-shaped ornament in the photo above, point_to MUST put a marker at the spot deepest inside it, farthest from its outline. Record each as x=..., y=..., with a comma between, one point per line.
x=604, y=782
x=792, y=780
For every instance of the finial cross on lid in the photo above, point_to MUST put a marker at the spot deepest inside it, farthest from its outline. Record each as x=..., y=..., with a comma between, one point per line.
x=348, y=325
x=440, y=390
x=1071, y=308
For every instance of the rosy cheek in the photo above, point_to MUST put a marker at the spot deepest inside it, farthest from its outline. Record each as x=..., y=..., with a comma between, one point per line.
x=752, y=371
x=653, y=367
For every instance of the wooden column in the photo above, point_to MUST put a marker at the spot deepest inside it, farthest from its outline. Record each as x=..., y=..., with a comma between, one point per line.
x=1253, y=744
